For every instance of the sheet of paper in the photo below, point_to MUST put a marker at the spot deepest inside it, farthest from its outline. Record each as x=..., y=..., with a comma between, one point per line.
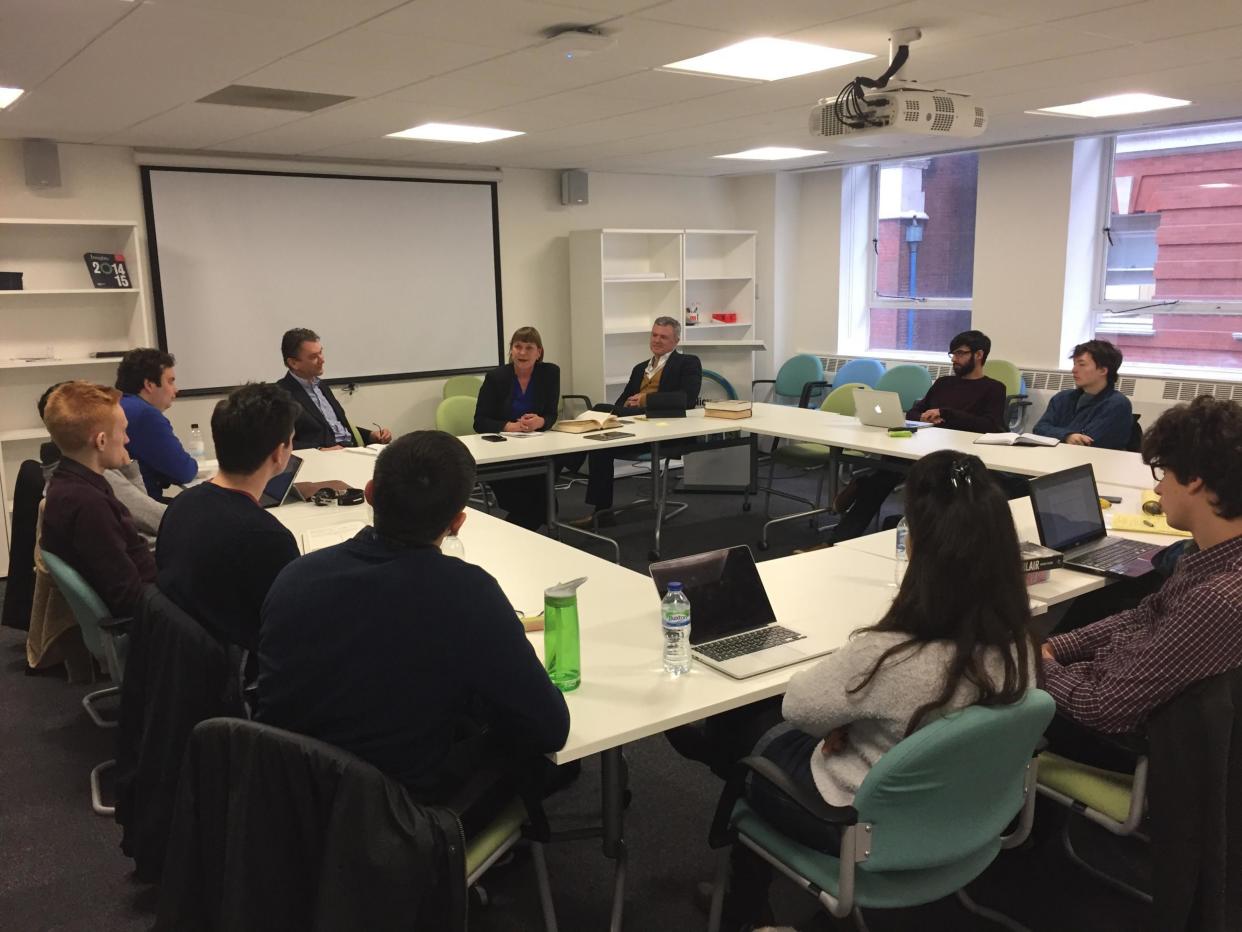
x=320, y=537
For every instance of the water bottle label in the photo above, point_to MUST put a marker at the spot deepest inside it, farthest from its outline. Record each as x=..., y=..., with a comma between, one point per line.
x=677, y=620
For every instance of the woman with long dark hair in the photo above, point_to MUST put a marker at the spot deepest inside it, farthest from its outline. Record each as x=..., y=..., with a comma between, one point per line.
x=957, y=634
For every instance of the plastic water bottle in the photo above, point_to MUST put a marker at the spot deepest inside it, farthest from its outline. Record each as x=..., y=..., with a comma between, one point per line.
x=675, y=618
x=901, y=557
x=452, y=546
x=196, y=448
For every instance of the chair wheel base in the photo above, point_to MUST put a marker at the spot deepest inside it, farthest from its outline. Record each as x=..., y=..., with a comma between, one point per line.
x=653, y=554
x=764, y=545
x=745, y=506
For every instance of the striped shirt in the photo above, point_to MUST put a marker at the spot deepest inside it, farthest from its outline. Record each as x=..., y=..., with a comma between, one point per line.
x=1112, y=674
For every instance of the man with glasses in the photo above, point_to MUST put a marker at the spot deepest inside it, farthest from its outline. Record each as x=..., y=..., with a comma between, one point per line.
x=1110, y=675
x=965, y=400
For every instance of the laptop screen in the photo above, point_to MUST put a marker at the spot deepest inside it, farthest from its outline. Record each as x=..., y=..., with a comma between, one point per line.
x=1067, y=508
x=725, y=592
x=278, y=487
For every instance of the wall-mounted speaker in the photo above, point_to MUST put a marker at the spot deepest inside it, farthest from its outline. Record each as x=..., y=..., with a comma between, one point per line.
x=573, y=186
x=42, y=162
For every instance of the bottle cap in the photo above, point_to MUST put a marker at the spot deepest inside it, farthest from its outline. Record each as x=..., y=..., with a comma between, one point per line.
x=564, y=590
x=674, y=587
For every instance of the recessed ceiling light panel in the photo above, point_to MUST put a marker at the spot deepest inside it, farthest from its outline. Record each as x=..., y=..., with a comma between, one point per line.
x=768, y=59
x=1115, y=105
x=455, y=132
x=772, y=153
x=8, y=95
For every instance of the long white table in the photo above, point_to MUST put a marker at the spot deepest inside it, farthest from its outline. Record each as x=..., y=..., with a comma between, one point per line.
x=625, y=695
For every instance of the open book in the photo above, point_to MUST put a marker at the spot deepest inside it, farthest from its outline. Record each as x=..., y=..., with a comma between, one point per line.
x=586, y=422
x=1017, y=440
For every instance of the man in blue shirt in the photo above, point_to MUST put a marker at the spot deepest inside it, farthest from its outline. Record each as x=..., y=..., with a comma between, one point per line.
x=322, y=422
x=149, y=383
x=1094, y=413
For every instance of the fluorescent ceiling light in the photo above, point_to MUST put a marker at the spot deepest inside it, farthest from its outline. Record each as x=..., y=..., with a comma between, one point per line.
x=1115, y=105
x=455, y=132
x=1218, y=184
x=769, y=59
x=8, y=95
x=772, y=153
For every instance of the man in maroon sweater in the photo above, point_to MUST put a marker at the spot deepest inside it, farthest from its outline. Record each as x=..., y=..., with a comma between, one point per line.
x=965, y=400
x=83, y=523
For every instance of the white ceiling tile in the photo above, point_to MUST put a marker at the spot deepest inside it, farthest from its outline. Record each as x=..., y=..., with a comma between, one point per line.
x=557, y=110
x=1156, y=19
x=1047, y=11
x=511, y=25
x=662, y=86
x=769, y=18
x=37, y=38
x=416, y=57
x=455, y=91
x=328, y=16
x=320, y=77
x=196, y=126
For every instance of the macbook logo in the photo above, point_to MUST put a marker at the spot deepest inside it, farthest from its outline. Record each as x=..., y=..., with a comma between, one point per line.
x=877, y=409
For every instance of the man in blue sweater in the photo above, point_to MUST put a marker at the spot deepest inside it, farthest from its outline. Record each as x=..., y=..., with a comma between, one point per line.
x=1093, y=413
x=386, y=647
x=149, y=383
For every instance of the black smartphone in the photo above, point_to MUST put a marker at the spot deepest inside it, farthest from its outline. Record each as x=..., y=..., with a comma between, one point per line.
x=494, y=438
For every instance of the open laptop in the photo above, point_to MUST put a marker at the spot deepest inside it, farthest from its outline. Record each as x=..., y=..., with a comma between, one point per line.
x=883, y=409
x=1069, y=519
x=732, y=625
x=280, y=488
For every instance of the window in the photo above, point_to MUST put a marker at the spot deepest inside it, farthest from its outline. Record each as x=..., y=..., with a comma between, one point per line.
x=1171, y=283
x=923, y=251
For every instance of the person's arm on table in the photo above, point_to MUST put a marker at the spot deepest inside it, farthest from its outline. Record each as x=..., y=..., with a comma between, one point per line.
x=1082, y=643
x=158, y=448
x=1110, y=422
x=1115, y=693
x=1056, y=417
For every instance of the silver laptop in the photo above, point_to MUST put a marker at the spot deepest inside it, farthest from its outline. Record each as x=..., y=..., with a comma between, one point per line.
x=279, y=488
x=732, y=625
x=1069, y=519
x=883, y=409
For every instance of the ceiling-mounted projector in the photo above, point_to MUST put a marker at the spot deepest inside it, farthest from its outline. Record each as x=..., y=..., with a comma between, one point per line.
x=877, y=117
x=869, y=112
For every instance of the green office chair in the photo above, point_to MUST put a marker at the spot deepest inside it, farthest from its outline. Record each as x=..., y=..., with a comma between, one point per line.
x=798, y=377
x=928, y=819
x=106, y=639
x=1016, y=398
x=805, y=456
x=469, y=385
x=490, y=844
x=909, y=381
x=455, y=415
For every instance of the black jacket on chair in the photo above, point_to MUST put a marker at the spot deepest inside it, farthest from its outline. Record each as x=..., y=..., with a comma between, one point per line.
x=491, y=412
x=275, y=830
x=682, y=373
x=1194, y=795
x=311, y=428
x=176, y=675
x=19, y=593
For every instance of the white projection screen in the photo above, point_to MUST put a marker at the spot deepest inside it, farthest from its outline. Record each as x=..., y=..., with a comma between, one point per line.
x=400, y=278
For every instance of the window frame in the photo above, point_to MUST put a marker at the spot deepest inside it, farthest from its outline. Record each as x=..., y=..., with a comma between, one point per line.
x=1108, y=315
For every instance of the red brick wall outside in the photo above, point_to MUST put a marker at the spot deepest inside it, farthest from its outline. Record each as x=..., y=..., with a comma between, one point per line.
x=1199, y=254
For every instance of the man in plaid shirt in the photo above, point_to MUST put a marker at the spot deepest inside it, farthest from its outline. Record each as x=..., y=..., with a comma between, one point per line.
x=1110, y=675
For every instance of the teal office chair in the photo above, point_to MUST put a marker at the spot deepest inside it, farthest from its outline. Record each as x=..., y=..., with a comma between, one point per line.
x=1016, y=398
x=798, y=377
x=867, y=371
x=717, y=388
x=805, y=456
x=909, y=381
x=468, y=385
x=106, y=639
x=928, y=819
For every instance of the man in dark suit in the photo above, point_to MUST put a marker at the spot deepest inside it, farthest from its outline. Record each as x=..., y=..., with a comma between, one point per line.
x=321, y=419
x=666, y=371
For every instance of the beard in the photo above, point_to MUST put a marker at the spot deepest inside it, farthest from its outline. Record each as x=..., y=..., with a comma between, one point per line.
x=964, y=368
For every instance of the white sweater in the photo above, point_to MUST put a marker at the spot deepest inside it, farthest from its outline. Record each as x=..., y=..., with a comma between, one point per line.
x=817, y=701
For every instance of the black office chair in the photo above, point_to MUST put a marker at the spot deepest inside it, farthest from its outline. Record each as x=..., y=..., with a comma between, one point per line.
x=1135, y=443
x=19, y=593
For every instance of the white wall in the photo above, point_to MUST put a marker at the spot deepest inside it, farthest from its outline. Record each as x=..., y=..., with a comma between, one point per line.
x=812, y=311
x=103, y=183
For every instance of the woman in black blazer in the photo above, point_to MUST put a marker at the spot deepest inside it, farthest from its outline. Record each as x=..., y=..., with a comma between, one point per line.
x=519, y=397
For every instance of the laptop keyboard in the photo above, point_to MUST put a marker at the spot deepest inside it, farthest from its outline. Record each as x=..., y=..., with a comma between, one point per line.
x=1113, y=555
x=748, y=642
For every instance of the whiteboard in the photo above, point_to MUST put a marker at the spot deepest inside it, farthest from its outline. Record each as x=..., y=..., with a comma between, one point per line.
x=400, y=278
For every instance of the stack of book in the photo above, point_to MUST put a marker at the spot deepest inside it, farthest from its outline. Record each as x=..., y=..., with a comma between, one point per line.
x=732, y=410
x=1038, y=561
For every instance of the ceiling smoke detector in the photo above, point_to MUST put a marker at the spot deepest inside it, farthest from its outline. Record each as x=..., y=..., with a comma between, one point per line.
x=570, y=41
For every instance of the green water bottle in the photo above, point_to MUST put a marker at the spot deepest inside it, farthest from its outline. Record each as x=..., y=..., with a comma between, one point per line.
x=560, y=635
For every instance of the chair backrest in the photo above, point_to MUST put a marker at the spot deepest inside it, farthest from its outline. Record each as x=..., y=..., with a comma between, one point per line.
x=1135, y=443
x=867, y=371
x=19, y=593
x=795, y=372
x=1004, y=371
x=724, y=386
x=909, y=381
x=87, y=607
x=949, y=790
x=455, y=415
x=462, y=385
x=841, y=399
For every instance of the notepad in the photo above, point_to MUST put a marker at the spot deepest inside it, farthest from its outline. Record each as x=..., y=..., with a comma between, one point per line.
x=320, y=537
x=1146, y=524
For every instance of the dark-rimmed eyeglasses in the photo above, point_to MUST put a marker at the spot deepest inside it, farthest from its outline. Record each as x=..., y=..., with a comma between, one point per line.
x=1157, y=472
x=957, y=353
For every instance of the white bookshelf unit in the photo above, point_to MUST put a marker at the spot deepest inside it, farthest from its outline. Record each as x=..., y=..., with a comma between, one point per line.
x=50, y=327
x=622, y=280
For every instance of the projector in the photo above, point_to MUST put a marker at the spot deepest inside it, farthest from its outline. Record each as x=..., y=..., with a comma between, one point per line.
x=878, y=116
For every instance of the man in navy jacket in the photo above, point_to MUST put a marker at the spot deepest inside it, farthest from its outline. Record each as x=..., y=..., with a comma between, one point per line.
x=322, y=422
x=1093, y=413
